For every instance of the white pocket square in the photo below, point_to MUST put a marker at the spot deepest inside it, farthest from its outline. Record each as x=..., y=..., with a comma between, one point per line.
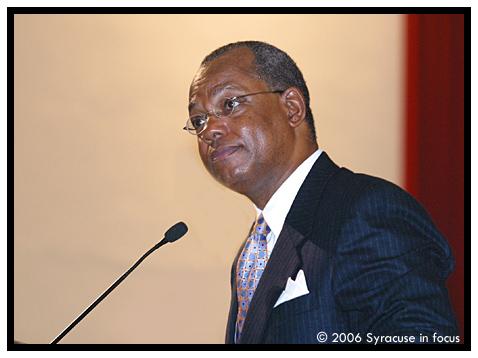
x=293, y=289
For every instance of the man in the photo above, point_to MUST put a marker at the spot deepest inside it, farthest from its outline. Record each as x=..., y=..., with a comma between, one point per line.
x=332, y=253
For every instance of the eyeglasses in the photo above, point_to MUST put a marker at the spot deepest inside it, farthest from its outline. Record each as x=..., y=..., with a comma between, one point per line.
x=198, y=123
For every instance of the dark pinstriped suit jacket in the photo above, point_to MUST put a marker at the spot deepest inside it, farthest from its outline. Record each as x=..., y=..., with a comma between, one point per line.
x=373, y=262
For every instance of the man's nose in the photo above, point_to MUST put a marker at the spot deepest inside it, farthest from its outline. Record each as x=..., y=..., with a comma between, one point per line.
x=216, y=128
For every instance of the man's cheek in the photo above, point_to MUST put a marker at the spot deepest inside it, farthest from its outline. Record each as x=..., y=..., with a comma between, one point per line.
x=203, y=153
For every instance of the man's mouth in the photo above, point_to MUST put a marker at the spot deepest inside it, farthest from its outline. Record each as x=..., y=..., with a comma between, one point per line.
x=222, y=153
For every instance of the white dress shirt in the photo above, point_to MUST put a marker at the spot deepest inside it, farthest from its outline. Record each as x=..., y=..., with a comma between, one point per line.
x=279, y=204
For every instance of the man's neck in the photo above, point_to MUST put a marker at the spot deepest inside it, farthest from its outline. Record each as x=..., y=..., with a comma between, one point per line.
x=263, y=194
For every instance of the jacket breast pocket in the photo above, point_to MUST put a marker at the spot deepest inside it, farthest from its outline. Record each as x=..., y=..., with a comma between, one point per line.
x=294, y=321
x=293, y=307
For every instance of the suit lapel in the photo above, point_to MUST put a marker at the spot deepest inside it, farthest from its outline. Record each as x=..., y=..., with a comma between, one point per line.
x=231, y=320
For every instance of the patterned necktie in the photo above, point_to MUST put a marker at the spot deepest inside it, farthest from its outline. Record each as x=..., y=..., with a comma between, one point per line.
x=250, y=267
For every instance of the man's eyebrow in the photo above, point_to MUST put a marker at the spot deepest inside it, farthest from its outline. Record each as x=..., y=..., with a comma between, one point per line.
x=221, y=88
x=216, y=89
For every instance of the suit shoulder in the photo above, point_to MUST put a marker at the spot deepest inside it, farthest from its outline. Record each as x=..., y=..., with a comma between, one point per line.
x=360, y=184
x=377, y=191
x=365, y=210
x=359, y=189
x=380, y=215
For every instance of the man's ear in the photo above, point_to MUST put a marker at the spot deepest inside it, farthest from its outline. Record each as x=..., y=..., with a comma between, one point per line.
x=295, y=106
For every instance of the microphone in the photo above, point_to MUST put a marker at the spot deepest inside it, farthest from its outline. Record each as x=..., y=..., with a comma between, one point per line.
x=173, y=234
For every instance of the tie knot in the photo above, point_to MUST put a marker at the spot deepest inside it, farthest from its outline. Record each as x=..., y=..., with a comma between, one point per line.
x=261, y=226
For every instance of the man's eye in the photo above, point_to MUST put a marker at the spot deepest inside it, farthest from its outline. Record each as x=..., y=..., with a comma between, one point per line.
x=229, y=105
x=198, y=121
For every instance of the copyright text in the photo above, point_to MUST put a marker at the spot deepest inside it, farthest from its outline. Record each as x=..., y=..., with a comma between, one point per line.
x=371, y=338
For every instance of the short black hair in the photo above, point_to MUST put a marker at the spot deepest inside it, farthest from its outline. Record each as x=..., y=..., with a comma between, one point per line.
x=275, y=67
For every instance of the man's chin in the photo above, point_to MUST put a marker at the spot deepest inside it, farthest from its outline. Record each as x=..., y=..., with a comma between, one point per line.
x=236, y=181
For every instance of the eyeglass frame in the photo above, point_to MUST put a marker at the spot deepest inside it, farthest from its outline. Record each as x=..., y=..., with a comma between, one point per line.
x=219, y=115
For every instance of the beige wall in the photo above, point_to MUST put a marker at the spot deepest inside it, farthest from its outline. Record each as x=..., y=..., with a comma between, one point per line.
x=102, y=167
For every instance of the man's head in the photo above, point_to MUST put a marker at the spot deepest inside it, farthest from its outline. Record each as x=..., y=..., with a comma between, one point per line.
x=275, y=67
x=259, y=125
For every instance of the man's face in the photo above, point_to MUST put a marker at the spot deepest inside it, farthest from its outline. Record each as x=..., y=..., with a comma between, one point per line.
x=248, y=150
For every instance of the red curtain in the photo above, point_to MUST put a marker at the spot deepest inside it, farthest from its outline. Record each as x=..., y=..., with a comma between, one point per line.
x=435, y=130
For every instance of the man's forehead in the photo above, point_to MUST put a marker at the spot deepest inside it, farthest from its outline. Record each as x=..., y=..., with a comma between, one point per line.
x=241, y=57
x=223, y=70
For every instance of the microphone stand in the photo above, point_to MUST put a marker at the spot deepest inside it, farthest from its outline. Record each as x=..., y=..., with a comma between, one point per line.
x=107, y=292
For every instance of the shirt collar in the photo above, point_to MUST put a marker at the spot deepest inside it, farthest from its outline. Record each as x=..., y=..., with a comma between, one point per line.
x=279, y=204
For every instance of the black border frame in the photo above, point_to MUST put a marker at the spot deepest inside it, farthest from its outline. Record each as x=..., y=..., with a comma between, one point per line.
x=12, y=11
